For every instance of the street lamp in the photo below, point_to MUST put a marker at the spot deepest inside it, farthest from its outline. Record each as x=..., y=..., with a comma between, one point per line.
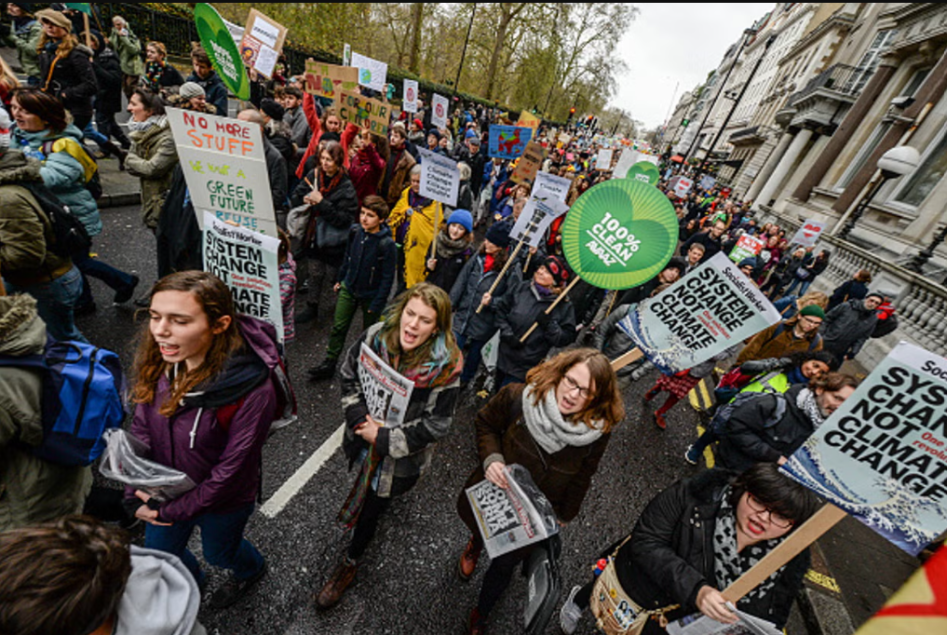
x=894, y=163
x=917, y=262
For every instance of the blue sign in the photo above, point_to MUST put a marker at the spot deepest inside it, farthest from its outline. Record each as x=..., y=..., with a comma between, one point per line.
x=508, y=142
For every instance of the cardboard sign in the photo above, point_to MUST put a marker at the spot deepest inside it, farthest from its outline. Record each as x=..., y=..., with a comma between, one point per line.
x=508, y=142
x=371, y=73
x=746, y=247
x=564, y=139
x=619, y=234
x=440, y=177
x=221, y=49
x=410, y=95
x=439, y=107
x=248, y=263
x=363, y=111
x=535, y=219
x=529, y=120
x=529, y=163
x=603, y=161
x=262, y=42
x=701, y=315
x=329, y=80
x=808, y=234
x=549, y=186
x=225, y=169
x=882, y=456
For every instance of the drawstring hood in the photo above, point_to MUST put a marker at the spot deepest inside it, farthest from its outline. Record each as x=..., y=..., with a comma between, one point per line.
x=193, y=432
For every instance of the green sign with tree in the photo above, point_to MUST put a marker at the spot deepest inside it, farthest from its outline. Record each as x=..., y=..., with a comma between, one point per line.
x=645, y=172
x=222, y=50
x=619, y=234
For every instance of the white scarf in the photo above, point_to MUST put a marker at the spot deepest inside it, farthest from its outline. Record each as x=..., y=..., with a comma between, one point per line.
x=806, y=401
x=549, y=429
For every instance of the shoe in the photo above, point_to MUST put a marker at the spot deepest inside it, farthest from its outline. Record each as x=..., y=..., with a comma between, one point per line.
x=468, y=560
x=310, y=313
x=325, y=370
x=692, y=455
x=570, y=613
x=659, y=420
x=476, y=623
x=85, y=309
x=126, y=294
x=341, y=578
x=235, y=590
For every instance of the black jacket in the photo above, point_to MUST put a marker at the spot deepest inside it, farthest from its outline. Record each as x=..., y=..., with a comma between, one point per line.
x=368, y=269
x=476, y=163
x=73, y=79
x=108, y=76
x=671, y=556
x=750, y=438
x=339, y=208
x=447, y=270
x=850, y=290
x=277, y=170
x=465, y=295
x=516, y=311
x=711, y=246
x=214, y=90
x=178, y=234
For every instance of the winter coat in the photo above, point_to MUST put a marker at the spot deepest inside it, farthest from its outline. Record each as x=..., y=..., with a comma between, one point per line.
x=847, y=327
x=502, y=435
x=24, y=36
x=711, y=246
x=278, y=173
x=366, y=169
x=214, y=91
x=405, y=451
x=610, y=338
x=224, y=464
x=750, y=438
x=178, y=234
x=152, y=158
x=32, y=490
x=670, y=556
x=815, y=267
x=472, y=282
x=64, y=175
x=299, y=128
x=160, y=597
x=779, y=341
x=397, y=176
x=278, y=134
x=339, y=208
x=447, y=270
x=516, y=311
x=25, y=230
x=72, y=79
x=368, y=269
x=847, y=291
x=635, y=295
x=416, y=240
x=169, y=77
x=108, y=76
x=128, y=48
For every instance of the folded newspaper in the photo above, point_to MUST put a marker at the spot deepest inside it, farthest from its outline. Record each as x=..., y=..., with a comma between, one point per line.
x=387, y=392
x=699, y=624
x=122, y=461
x=514, y=517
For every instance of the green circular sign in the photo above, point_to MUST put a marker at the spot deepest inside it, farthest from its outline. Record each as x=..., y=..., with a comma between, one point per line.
x=645, y=172
x=222, y=50
x=619, y=234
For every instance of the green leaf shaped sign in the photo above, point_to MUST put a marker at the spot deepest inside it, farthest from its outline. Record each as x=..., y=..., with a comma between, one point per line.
x=619, y=234
x=644, y=171
x=222, y=50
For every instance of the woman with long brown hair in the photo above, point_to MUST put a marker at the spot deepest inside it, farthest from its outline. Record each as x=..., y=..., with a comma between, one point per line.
x=557, y=426
x=66, y=70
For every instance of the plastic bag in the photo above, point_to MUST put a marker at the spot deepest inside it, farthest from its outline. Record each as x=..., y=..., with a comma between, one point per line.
x=122, y=461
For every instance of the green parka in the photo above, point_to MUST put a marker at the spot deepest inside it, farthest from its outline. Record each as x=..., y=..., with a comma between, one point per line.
x=152, y=159
x=128, y=48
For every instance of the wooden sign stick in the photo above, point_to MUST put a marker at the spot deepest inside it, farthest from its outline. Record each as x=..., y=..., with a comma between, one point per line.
x=631, y=356
x=506, y=267
x=552, y=306
x=823, y=520
x=528, y=258
x=434, y=240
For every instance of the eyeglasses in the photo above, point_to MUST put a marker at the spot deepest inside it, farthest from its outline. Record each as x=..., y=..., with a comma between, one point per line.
x=572, y=386
x=777, y=519
x=812, y=321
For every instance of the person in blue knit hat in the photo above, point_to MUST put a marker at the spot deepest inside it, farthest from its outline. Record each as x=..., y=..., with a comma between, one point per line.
x=453, y=248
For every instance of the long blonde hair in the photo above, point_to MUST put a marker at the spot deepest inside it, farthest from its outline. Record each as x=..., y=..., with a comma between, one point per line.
x=66, y=44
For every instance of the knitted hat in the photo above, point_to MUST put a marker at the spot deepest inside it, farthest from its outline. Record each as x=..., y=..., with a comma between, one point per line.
x=813, y=310
x=418, y=123
x=747, y=262
x=54, y=17
x=190, y=90
x=875, y=294
x=499, y=234
x=435, y=132
x=677, y=263
x=272, y=109
x=463, y=218
x=557, y=269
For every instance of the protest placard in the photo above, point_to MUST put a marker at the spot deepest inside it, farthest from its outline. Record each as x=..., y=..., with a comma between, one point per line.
x=627, y=159
x=529, y=120
x=262, y=42
x=746, y=247
x=644, y=171
x=439, y=108
x=708, y=182
x=704, y=313
x=361, y=110
x=371, y=73
x=564, y=139
x=529, y=163
x=440, y=177
x=808, y=234
x=410, y=95
x=680, y=185
x=387, y=392
x=535, y=219
x=508, y=142
x=329, y=80
x=225, y=168
x=603, y=161
x=248, y=263
x=619, y=234
x=882, y=455
x=551, y=186
x=221, y=49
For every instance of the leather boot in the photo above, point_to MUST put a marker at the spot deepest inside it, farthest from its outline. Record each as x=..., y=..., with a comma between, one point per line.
x=117, y=152
x=340, y=580
x=469, y=558
x=325, y=370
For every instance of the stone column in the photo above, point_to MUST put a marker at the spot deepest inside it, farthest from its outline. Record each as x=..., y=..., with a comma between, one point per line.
x=767, y=170
x=782, y=169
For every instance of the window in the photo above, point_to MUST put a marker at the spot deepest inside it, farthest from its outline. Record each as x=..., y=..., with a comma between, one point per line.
x=869, y=62
x=927, y=176
x=862, y=157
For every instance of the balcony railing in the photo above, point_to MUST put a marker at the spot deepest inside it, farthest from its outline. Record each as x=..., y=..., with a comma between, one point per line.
x=839, y=78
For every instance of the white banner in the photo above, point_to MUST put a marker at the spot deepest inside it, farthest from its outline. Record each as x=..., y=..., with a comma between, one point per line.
x=550, y=186
x=681, y=185
x=603, y=161
x=410, y=95
x=440, y=177
x=627, y=159
x=535, y=219
x=386, y=391
x=371, y=73
x=439, y=109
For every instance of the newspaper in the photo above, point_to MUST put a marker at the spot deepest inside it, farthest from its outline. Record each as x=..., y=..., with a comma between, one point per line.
x=122, y=461
x=512, y=518
x=699, y=624
x=387, y=392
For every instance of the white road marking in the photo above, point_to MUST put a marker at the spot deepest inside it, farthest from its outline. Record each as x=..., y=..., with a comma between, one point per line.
x=297, y=481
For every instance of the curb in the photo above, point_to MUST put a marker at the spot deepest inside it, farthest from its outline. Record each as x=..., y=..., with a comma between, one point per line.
x=119, y=200
x=820, y=601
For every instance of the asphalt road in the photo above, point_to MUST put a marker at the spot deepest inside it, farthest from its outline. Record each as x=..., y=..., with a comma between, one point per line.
x=407, y=582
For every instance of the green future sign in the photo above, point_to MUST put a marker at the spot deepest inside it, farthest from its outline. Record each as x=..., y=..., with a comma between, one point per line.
x=644, y=171
x=619, y=234
x=222, y=50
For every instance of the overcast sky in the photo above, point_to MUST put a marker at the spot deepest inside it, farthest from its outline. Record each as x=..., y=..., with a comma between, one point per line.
x=671, y=43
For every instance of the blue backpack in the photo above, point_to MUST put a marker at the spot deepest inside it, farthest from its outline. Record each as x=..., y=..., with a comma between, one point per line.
x=82, y=397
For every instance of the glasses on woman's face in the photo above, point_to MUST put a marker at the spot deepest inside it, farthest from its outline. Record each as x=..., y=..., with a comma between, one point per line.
x=776, y=518
x=572, y=385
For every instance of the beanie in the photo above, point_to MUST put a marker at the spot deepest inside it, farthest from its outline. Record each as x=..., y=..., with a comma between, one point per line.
x=499, y=234
x=558, y=270
x=677, y=263
x=747, y=262
x=272, y=109
x=463, y=218
x=875, y=294
x=813, y=310
x=435, y=132
x=190, y=90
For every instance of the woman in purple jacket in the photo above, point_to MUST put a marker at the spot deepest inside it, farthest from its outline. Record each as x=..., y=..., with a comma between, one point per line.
x=206, y=389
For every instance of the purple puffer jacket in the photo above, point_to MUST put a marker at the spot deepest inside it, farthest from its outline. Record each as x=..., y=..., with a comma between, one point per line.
x=225, y=464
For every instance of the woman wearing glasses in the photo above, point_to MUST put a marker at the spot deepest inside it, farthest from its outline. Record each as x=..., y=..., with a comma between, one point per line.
x=692, y=541
x=557, y=426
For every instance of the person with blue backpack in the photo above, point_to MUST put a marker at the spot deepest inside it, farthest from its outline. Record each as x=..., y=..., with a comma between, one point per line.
x=208, y=388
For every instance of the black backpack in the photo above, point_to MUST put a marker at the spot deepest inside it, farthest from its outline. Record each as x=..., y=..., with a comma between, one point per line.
x=70, y=238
